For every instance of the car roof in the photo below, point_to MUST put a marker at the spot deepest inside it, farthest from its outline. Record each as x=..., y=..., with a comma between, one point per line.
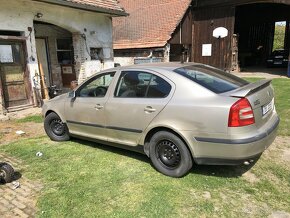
x=170, y=66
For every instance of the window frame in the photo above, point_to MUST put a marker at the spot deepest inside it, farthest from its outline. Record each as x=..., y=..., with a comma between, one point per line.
x=62, y=51
x=93, y=78
x=152, y=74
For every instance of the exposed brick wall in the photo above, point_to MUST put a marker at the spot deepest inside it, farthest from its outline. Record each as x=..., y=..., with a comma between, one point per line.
x=79, y=56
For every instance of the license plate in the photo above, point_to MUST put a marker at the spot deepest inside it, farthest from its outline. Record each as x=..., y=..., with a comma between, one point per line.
x=268, y=107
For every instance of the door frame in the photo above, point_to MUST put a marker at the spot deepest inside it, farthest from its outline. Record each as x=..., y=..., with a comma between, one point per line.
x=50, y=79
x=26, y=71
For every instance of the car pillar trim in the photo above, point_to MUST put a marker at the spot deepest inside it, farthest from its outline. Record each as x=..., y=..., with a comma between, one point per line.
x=240, y=141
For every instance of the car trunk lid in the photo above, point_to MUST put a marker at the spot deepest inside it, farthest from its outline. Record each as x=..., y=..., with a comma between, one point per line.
x=261, y=97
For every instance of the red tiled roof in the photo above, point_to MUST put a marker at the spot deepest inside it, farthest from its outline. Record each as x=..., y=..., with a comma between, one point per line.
x=103, y=6
x=150, y=23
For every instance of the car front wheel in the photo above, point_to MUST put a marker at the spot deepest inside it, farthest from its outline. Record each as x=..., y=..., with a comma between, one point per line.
x=55, y=128
x=169, y=154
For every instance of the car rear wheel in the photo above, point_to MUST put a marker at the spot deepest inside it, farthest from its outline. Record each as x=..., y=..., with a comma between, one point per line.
x=6, y=173
x=169, y=154
x=55, y=128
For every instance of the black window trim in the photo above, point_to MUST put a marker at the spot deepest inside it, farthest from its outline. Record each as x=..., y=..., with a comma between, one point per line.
x=142, y=71
x=94, y=77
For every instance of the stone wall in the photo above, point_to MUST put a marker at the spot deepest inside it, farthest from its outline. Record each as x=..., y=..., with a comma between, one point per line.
x=126, y=57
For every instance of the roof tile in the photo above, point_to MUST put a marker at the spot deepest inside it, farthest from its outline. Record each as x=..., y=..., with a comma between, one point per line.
x=150, y=23
x=106, y=4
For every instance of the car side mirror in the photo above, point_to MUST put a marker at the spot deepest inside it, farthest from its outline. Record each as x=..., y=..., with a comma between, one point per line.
x=72, y=95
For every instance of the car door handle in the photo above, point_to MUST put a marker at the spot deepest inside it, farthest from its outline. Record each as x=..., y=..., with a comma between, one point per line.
x=99, y=107
x=149, y=109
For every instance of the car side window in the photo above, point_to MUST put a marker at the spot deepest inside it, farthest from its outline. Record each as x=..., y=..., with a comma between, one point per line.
x=158, y=88
x=138, y=84
x=97, y=86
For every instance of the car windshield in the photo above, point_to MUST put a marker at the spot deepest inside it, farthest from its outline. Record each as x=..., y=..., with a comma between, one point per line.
x=211, y=78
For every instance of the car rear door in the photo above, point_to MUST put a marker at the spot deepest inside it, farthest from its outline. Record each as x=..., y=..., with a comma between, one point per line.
x=128, y=116
x=85, y=114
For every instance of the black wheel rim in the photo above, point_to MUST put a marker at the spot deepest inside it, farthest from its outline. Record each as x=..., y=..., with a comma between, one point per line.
x=168, y=154
x=57, y=127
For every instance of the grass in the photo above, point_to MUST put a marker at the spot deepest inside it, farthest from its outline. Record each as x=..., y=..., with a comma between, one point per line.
x=32, y=118
x=282, y=103
x=83, y=179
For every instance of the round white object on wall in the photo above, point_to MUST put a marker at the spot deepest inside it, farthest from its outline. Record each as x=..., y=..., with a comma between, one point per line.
x=220, y=32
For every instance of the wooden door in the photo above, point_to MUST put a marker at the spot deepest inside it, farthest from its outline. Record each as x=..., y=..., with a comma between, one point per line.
x=41, y=49
x=12, y=69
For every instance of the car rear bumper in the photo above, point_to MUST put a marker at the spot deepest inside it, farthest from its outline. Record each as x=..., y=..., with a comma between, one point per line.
x=234, y=151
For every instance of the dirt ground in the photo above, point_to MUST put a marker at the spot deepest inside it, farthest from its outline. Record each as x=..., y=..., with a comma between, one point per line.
x=8, y=126
x=8, y=131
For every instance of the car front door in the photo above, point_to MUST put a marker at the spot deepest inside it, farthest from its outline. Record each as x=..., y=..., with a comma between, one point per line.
x=85, y=113
x=138, y=97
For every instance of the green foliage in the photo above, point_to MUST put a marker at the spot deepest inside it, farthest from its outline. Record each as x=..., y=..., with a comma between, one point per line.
x=279, y=37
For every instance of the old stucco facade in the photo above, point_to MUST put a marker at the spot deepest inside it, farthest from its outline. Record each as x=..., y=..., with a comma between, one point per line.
x=25, y=21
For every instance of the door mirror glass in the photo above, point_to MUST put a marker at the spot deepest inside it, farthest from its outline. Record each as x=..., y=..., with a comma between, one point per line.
x=72, y=94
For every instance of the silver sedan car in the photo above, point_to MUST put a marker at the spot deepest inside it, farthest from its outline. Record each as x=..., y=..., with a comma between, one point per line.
x=177, y=114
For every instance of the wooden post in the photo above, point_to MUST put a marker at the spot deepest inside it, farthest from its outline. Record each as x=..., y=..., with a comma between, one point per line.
x=44, y=90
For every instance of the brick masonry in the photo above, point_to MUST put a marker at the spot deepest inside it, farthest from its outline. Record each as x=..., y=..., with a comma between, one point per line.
x=19, y=202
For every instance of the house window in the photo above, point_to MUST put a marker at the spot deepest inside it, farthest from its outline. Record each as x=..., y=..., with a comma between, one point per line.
x=97, y=54
x=10, y=53
x=64, y=51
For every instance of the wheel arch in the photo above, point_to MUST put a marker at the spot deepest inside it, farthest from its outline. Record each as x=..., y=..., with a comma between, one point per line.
x=52, y=111
x=154, y=130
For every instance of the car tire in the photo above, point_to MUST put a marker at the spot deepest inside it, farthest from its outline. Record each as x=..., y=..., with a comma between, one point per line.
x=6, y=173
x=55, y=128
x=169, y=154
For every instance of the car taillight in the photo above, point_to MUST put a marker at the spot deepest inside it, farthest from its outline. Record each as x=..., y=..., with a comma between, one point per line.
x=241, y=114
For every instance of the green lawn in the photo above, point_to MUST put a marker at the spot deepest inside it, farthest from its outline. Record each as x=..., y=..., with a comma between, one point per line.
x=83, y=179
x=31, y=118
x=88, y=180
x=282, y=103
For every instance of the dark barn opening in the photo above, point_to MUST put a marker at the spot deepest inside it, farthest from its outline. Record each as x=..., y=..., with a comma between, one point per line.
x=255, y=29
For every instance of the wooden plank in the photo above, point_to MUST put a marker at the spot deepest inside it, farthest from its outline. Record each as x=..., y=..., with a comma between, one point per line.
x=183, y=32
x=204, y=22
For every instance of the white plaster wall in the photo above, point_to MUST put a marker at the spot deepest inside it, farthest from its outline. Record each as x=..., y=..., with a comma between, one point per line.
x=18, y=15
x=124, y=61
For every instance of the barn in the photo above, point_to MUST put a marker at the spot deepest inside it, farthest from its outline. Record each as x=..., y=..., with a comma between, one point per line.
x=250, y=25
x=231, y=35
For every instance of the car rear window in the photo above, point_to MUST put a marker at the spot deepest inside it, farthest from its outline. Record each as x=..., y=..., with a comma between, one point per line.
x=211, y=78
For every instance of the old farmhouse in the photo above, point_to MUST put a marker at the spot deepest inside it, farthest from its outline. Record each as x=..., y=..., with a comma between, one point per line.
x=51, y=42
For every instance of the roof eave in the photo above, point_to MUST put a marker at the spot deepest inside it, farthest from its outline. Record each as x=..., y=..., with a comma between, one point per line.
x=85, y=7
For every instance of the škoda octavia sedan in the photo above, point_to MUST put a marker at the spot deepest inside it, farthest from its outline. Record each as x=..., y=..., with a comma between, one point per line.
x=177, y=114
